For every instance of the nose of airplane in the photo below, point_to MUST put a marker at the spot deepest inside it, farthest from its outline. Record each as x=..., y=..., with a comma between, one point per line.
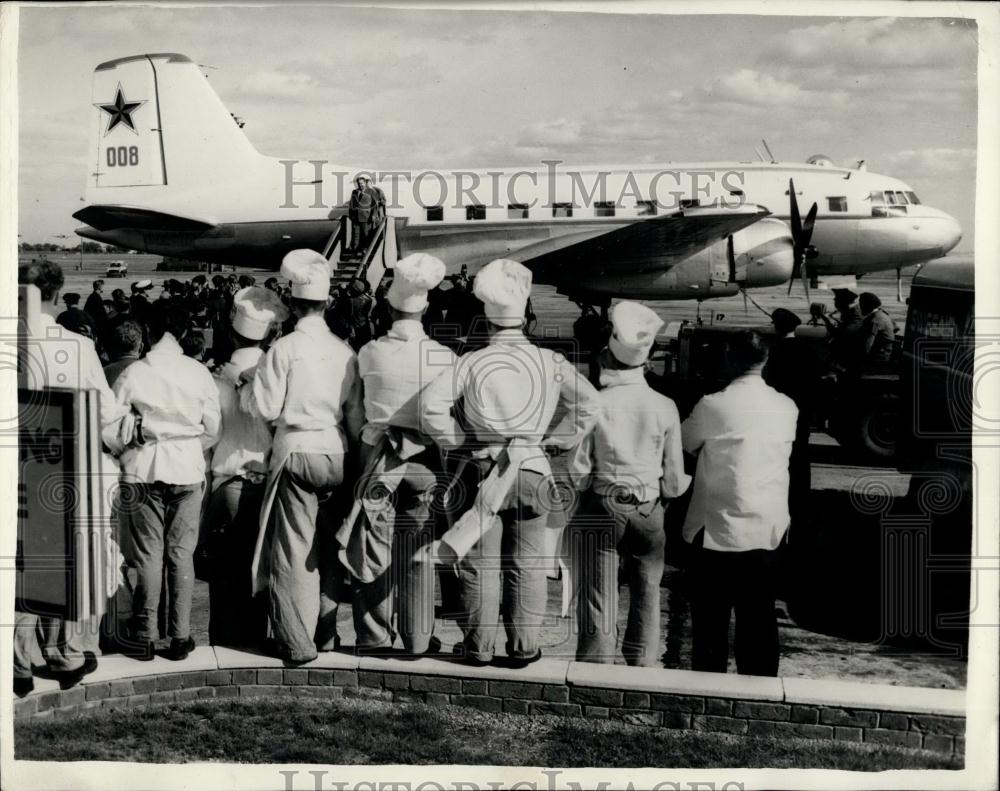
x=951, y=233
x=936, y=230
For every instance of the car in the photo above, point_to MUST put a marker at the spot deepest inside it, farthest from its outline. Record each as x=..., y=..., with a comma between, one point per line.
x=117, y=269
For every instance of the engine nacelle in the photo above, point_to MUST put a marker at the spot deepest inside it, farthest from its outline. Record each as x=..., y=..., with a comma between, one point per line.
x=762, y=254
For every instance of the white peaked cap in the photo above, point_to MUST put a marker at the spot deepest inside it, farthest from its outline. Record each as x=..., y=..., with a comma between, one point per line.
x=255, y=309
x=412, y=278
x=308, y=272
x=634, y=329
x=504, y=286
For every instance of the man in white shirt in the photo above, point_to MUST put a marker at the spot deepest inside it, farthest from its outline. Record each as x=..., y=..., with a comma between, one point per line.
x=165, y=476
x=239, y=467
x=633, y=462
x=508, y=392
x=398, y=458
x=308, y=385
x=738, y=514
x=56, y=357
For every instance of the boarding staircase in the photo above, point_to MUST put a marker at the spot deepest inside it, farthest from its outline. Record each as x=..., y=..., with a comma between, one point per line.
x=379, y=256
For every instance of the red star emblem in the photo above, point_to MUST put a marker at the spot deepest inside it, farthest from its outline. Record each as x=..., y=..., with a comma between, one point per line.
x=120, y=111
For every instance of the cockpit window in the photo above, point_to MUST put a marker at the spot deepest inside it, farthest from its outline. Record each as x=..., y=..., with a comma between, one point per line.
x=900, y=198
x=890, y=198
x=913, y=198
x=876, y=198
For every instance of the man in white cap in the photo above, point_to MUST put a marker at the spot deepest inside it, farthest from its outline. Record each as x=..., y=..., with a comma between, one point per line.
x=508, y=392
x=308, y=384
x=383, y=533
x=632, y=463
x=239, y=471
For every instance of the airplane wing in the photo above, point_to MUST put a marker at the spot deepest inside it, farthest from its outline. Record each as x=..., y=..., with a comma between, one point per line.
x=106, y=217
x=657, y=243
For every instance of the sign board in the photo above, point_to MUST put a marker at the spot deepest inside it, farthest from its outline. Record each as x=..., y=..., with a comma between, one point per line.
x=62, y=515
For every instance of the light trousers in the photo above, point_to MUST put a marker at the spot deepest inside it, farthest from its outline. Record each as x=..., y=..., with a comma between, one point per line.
x=602, y=532
x=303, y=566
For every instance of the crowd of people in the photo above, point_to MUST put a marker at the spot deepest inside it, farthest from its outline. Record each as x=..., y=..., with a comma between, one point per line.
x=326, y=448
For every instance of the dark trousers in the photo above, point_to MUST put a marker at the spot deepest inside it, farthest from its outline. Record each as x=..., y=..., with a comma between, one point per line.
x=230, y=525
x=361, y=233
x=745, y=582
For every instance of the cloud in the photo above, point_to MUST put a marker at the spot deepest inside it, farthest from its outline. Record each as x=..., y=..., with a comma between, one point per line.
x=278, y=84
x=755, y=88
x=559, y=132
x=883, y=43
x=932, y=162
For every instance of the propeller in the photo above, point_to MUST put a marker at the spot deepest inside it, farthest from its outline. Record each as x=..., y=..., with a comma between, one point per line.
x=801, y=235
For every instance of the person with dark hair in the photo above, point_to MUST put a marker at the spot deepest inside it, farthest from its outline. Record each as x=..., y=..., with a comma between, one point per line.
x=793, y=369
x=68, y=652
x=125, y=346
x=94, y=306
x=742, y=438
x=361, y=304
x=630, y=466
x=361, y=211
x=193, y=345
x=76, y=320
x=139, y=302
x=308, y=386
x=239, y=472
x=178, y=403
x=878, y=330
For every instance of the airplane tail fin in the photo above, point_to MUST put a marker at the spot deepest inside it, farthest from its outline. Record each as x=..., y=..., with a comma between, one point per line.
x=156, y=122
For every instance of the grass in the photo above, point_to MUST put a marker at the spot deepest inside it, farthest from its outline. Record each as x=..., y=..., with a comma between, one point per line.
x=277, y=730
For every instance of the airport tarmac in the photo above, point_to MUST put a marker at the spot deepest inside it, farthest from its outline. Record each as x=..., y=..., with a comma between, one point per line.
x=555, y=313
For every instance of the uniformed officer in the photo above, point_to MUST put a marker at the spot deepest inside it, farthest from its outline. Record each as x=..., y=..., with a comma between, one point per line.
x=402, y=466
x=308, y=384
x=508, y=393
x=361, y=211
x=239, y=473
x=878, y=330
x=631, y=463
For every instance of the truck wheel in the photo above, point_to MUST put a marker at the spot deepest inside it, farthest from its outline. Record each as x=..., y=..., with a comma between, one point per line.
x=878, y=426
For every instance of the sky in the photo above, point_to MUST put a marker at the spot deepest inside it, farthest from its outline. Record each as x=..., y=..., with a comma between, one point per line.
x=412, y=89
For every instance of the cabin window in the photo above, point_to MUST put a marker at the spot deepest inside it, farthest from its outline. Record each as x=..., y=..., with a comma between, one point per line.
x=604, y=208
x=837, y=203
x=475, y=212
x=517, y=211
x=645, y=208
x=435, y=213
x=562, y=209
x=690, y=203
x=913, y=198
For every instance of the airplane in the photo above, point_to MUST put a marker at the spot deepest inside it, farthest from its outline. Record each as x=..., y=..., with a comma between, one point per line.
x=173, y=173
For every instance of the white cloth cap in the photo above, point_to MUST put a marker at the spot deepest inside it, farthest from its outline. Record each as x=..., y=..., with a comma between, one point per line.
x=412, y=277
x=144, y=284
x=255, y=309
x=309, y=273
x=634, y=329
x=503, y=286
